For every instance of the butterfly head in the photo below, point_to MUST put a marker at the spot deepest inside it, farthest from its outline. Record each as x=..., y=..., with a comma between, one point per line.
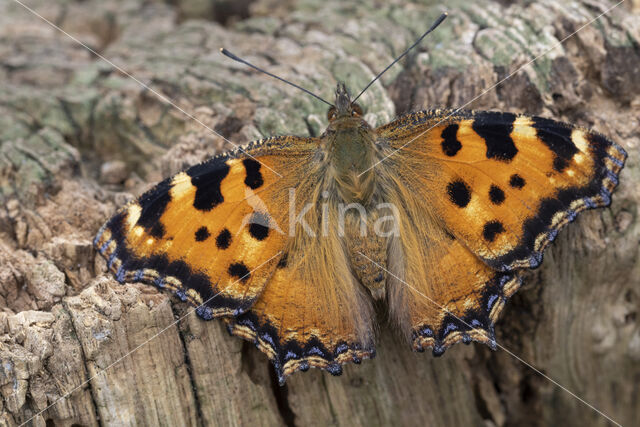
x=343, y=107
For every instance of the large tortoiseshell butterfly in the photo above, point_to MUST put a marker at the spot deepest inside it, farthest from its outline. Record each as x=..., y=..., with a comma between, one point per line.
x=290, y=239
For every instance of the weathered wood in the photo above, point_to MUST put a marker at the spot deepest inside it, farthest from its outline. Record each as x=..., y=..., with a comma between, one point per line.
x=78, y=139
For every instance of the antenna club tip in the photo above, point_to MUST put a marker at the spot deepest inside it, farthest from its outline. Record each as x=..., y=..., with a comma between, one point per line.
x=446, y=13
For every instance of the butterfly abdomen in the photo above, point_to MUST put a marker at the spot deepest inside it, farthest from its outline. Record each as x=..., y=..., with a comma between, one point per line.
x=366, y=242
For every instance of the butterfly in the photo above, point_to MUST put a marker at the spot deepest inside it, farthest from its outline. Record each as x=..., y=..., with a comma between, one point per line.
x=290, y=240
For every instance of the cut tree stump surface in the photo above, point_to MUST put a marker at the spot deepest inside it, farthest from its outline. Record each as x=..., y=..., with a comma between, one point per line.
x=78, y=138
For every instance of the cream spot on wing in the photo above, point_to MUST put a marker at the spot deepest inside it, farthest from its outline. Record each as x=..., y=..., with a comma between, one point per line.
x=522, y=127
x=510, y=287
x=133, y=214
x=539, y=241
x=180, y=185
x=475, y=208
x=251, y=247
x=577, y=204
x=578, y=138
x=147, y=272
x=557, y=219
x=106, y=236
x=173, y=281
x=570, y=172
x=497, y=308
x=469, y=303
x=194, y=295
x=149, y=241
x=138, y=231
x=610, y=165
x=236, y=167
x=579, y=158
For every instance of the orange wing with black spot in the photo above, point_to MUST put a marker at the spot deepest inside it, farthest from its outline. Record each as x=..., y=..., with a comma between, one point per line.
x=211, y=234
x=215, y=235
x=495, y=189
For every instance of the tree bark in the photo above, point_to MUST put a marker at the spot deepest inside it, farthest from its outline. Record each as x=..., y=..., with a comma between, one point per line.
x=78, y=138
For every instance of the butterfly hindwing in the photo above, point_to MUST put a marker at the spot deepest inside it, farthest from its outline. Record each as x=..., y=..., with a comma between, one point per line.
x=300, y=324
x=313, y=311
x=439, y=292
x=484, y=193
x=459, y=301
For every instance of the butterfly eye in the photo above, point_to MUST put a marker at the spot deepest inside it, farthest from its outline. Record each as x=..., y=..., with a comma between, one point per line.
x=356, y=110
x=331, y=114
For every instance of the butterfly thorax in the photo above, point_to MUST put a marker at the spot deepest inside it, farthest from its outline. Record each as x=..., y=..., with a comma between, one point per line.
x=349, y=143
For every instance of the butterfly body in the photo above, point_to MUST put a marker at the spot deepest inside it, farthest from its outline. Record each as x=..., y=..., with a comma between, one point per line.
x=436, y=213
x=350, y=143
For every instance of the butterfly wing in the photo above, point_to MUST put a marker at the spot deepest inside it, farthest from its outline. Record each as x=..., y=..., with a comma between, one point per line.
x=217, y=234
x=494, y=187
x=300, y=324
x=211, y=234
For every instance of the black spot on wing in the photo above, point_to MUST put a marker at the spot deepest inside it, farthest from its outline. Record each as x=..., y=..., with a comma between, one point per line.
x=282, y=263
x=254, y=178
x=450, y=143
x=239, y=271
x=556, y=136
x=516, y=181
x=459, y=193
x=259, y=226
x=258, y=231
x=207, y=177
x=157, y=230
x=224, y=239
x=495, y=128
x=491, y=229
x=202, y=234
x=560, y=164
x=496, y=195
x=152, y=205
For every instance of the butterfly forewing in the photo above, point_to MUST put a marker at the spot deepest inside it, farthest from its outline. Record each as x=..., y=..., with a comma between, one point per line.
x=212, y=234
x=502, y=183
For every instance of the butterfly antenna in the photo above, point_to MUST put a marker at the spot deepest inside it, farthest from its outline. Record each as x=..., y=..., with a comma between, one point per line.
x=433, y=27
x=228, y=54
